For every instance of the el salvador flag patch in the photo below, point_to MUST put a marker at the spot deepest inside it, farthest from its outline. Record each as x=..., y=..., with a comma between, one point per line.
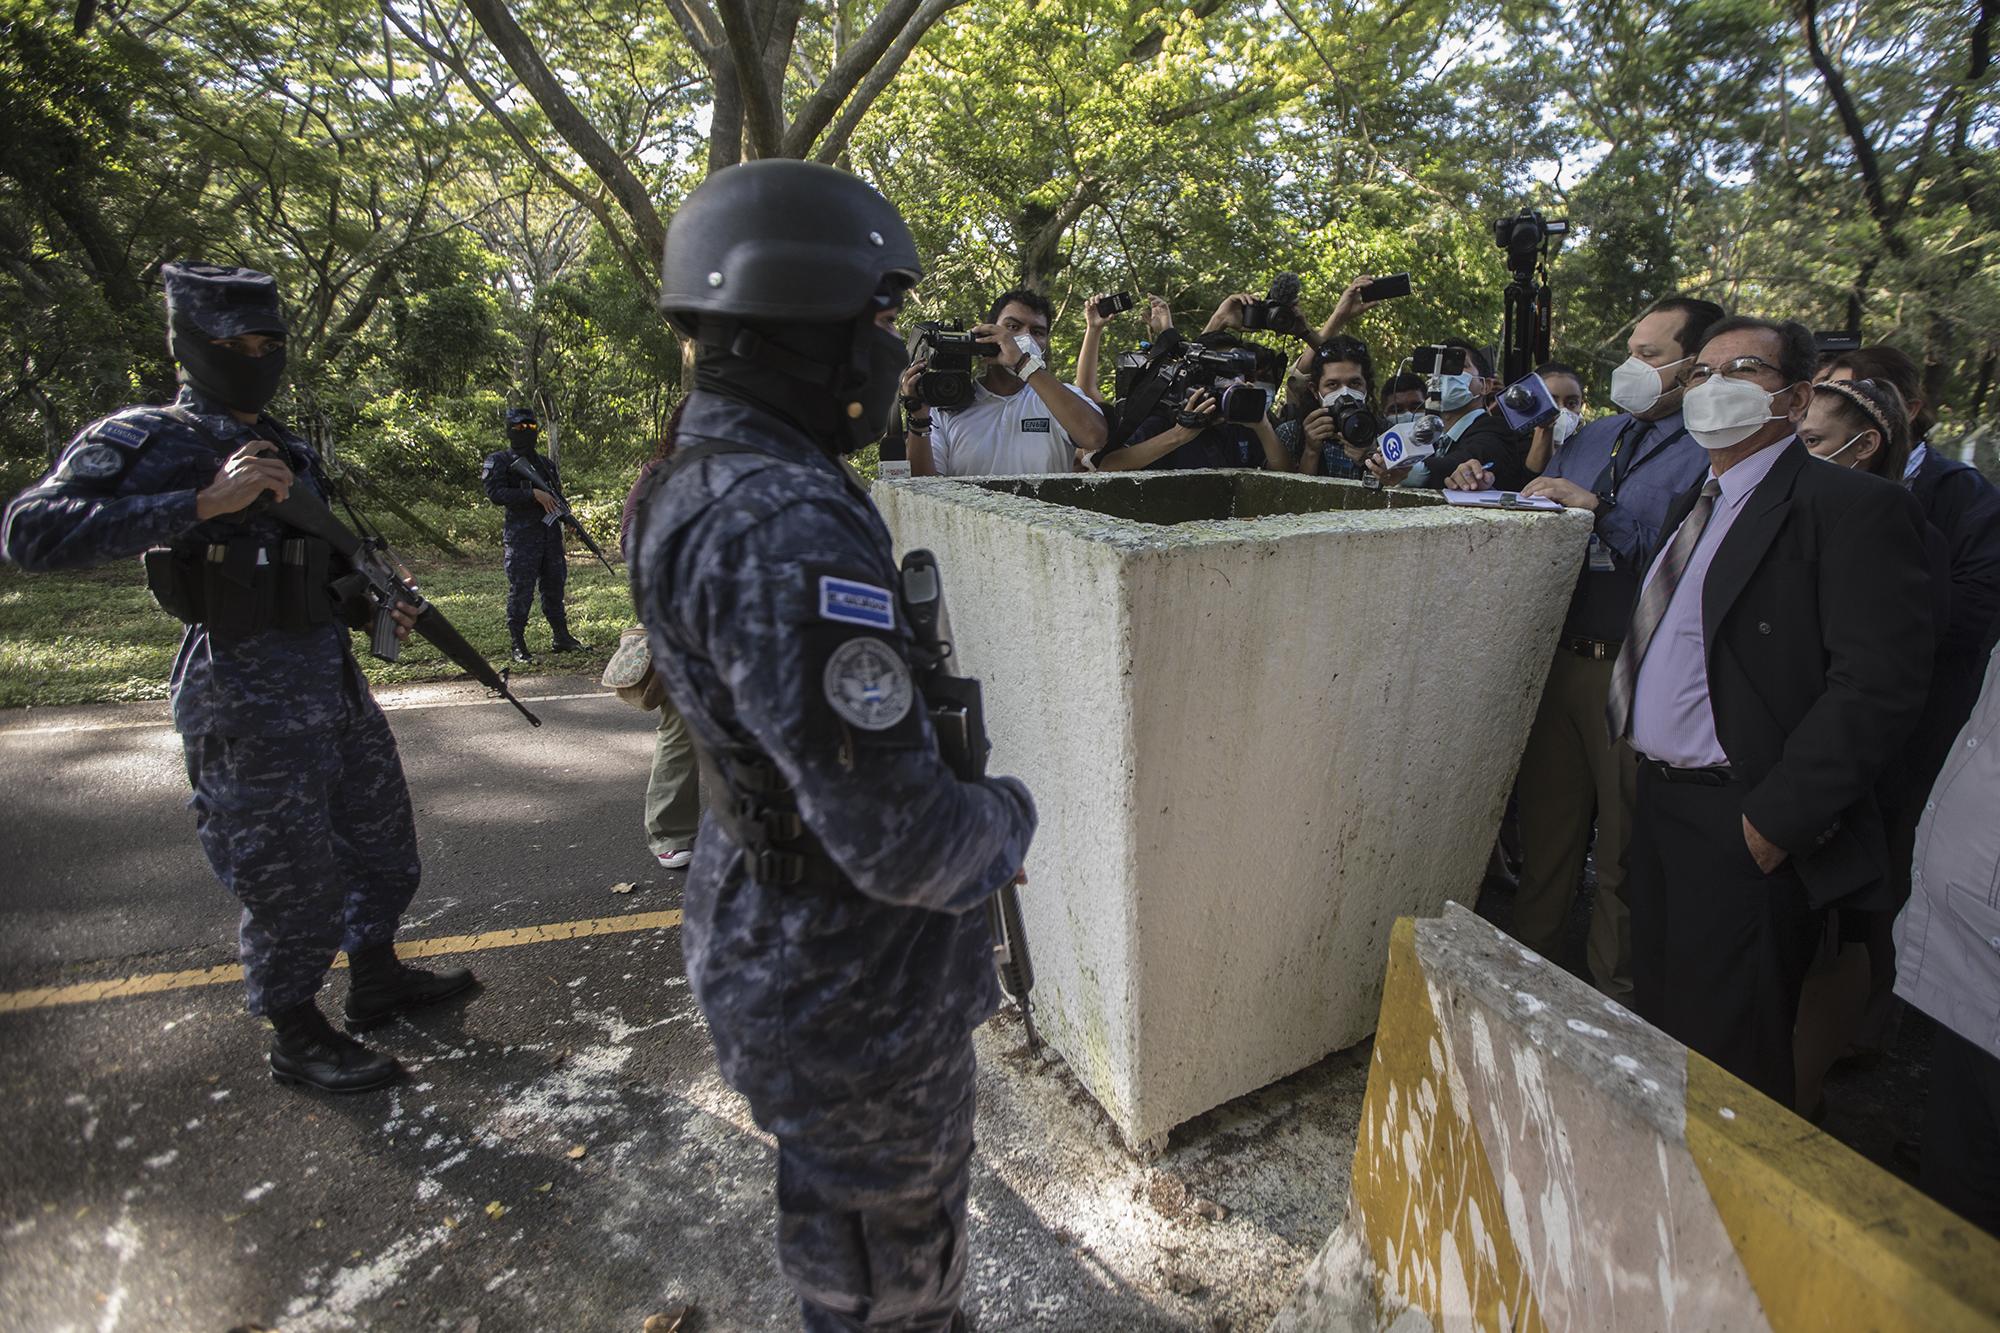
x=856, y=603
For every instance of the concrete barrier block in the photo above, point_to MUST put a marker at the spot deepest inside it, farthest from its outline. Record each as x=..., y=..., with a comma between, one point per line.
x=1262, y=717
x=1532, y=1155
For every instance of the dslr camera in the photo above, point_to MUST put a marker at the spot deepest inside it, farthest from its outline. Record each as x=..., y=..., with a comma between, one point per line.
x=1354, y=422
x=1277, y=311
x=946, y=383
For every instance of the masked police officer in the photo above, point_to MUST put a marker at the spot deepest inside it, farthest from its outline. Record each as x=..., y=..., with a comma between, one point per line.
x=299, y=797
x=531, y=536
x=831, y=925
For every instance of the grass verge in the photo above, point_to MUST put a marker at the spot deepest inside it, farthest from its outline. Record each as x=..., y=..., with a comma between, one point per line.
x=95, y=636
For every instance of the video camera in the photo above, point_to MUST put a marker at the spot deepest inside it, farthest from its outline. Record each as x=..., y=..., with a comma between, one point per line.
x=946, y=382
x=1170, y=372
x=1278, y=310
x=1526, y=311
x=1225, y=373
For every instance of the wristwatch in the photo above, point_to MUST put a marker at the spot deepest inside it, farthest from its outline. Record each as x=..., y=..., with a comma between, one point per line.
x=1030, y=361
x=1606, y=502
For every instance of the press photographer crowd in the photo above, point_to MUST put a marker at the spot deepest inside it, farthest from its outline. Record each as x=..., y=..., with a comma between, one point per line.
x=1770, y=722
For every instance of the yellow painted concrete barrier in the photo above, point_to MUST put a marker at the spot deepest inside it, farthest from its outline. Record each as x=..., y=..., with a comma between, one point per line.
x=1534, y=1156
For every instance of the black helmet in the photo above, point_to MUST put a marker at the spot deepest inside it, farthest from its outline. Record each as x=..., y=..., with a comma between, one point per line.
x=780, y=269
x=782, y=240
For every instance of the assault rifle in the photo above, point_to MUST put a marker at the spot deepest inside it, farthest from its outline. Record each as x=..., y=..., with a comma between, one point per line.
x=527, y=472
x=379, y=577
x=958, y=716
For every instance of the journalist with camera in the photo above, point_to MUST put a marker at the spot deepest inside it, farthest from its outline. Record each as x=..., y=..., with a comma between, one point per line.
x=1336, y=428
x=1205, y=402
x=983, y=402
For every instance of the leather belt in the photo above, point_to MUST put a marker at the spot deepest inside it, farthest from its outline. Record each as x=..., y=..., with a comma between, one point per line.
x=1596, y=650
x=1719, y=776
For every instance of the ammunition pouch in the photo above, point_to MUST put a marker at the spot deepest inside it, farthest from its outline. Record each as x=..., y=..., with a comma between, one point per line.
x=245, y=585
x=751, y=801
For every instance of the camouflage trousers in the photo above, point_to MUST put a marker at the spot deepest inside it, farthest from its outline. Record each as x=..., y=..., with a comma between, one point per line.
x=871, y=1228
x=314, y=835
x=534, y=554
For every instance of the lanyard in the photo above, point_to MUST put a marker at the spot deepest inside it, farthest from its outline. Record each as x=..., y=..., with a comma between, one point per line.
x=1619, y=474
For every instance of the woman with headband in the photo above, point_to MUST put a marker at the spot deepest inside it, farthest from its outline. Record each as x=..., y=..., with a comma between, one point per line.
x=1863, y=424
x=1859, y=424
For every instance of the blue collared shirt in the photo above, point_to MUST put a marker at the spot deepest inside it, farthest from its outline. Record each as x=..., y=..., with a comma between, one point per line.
x=1657, y=462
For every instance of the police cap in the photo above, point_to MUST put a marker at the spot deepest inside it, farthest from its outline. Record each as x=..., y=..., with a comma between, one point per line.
x=222, y=302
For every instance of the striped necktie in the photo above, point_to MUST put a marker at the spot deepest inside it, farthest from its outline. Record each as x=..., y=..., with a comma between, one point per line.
x=1652, y=609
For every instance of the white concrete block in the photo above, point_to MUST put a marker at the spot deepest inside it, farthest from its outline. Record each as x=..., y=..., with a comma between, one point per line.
x=1258, y=729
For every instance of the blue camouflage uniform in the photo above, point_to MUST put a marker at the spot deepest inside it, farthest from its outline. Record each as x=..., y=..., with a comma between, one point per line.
x=841, y=1008
x=532, y=541
x=299, y=798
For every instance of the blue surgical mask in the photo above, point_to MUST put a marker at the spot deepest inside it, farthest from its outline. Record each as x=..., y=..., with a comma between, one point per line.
x=1453, y=391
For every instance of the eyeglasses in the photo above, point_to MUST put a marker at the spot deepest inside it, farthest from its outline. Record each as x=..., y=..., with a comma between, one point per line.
x=1742, y=368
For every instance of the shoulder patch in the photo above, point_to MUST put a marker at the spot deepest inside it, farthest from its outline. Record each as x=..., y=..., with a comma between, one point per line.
x=868, y=684
x=128, y=433
x=94, y=462
x=856, y=603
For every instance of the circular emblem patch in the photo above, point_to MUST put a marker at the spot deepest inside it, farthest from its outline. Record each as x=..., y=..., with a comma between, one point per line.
x=868, y=684
x=95, y=461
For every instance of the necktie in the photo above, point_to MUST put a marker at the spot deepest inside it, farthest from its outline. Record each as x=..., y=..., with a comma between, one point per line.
x=1653, y=603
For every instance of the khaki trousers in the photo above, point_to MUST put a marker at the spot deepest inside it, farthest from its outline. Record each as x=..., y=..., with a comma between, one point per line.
x=1572, y=775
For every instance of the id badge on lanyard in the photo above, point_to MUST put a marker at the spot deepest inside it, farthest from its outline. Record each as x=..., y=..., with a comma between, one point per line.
x=1599, y=557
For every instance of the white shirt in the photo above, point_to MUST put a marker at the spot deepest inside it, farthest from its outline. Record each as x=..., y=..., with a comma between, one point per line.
x=1671, y=718
x=995, y=436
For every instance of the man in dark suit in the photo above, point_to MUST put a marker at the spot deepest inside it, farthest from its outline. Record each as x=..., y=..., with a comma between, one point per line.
x=1776, y=661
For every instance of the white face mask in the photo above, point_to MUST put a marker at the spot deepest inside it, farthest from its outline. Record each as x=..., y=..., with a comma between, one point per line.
x=1636, y=384
x=1721, y=412
x=1566, y=424
x=1342, y=397
x=1841, y=450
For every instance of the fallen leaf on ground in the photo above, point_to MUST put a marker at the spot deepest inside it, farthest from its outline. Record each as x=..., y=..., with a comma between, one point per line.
x=545, y=1187
x=667, y=1321
x=621, y=888
x=578, y=1151
x=496, y=1209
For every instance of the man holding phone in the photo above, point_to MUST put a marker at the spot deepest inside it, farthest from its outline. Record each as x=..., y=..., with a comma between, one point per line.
x=1021, y=419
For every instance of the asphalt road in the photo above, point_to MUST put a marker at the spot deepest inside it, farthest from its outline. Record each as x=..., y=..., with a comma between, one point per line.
x=564, y=1155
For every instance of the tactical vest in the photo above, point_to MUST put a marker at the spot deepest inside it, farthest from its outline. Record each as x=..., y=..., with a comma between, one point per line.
x=246, y=584
x=741, y=787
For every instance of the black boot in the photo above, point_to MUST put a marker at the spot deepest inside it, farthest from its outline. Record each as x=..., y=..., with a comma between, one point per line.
x=521, y=647
x=384, y=987
x=307, y=1051
x=565, y=642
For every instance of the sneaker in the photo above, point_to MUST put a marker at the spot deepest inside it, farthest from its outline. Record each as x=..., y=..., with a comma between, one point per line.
x=675, y=860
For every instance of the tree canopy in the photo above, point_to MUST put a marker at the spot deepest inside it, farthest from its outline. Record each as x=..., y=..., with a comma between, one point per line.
x=464, y=204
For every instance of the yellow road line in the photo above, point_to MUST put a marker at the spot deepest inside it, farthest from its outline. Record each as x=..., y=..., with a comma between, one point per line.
x=118, y=988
